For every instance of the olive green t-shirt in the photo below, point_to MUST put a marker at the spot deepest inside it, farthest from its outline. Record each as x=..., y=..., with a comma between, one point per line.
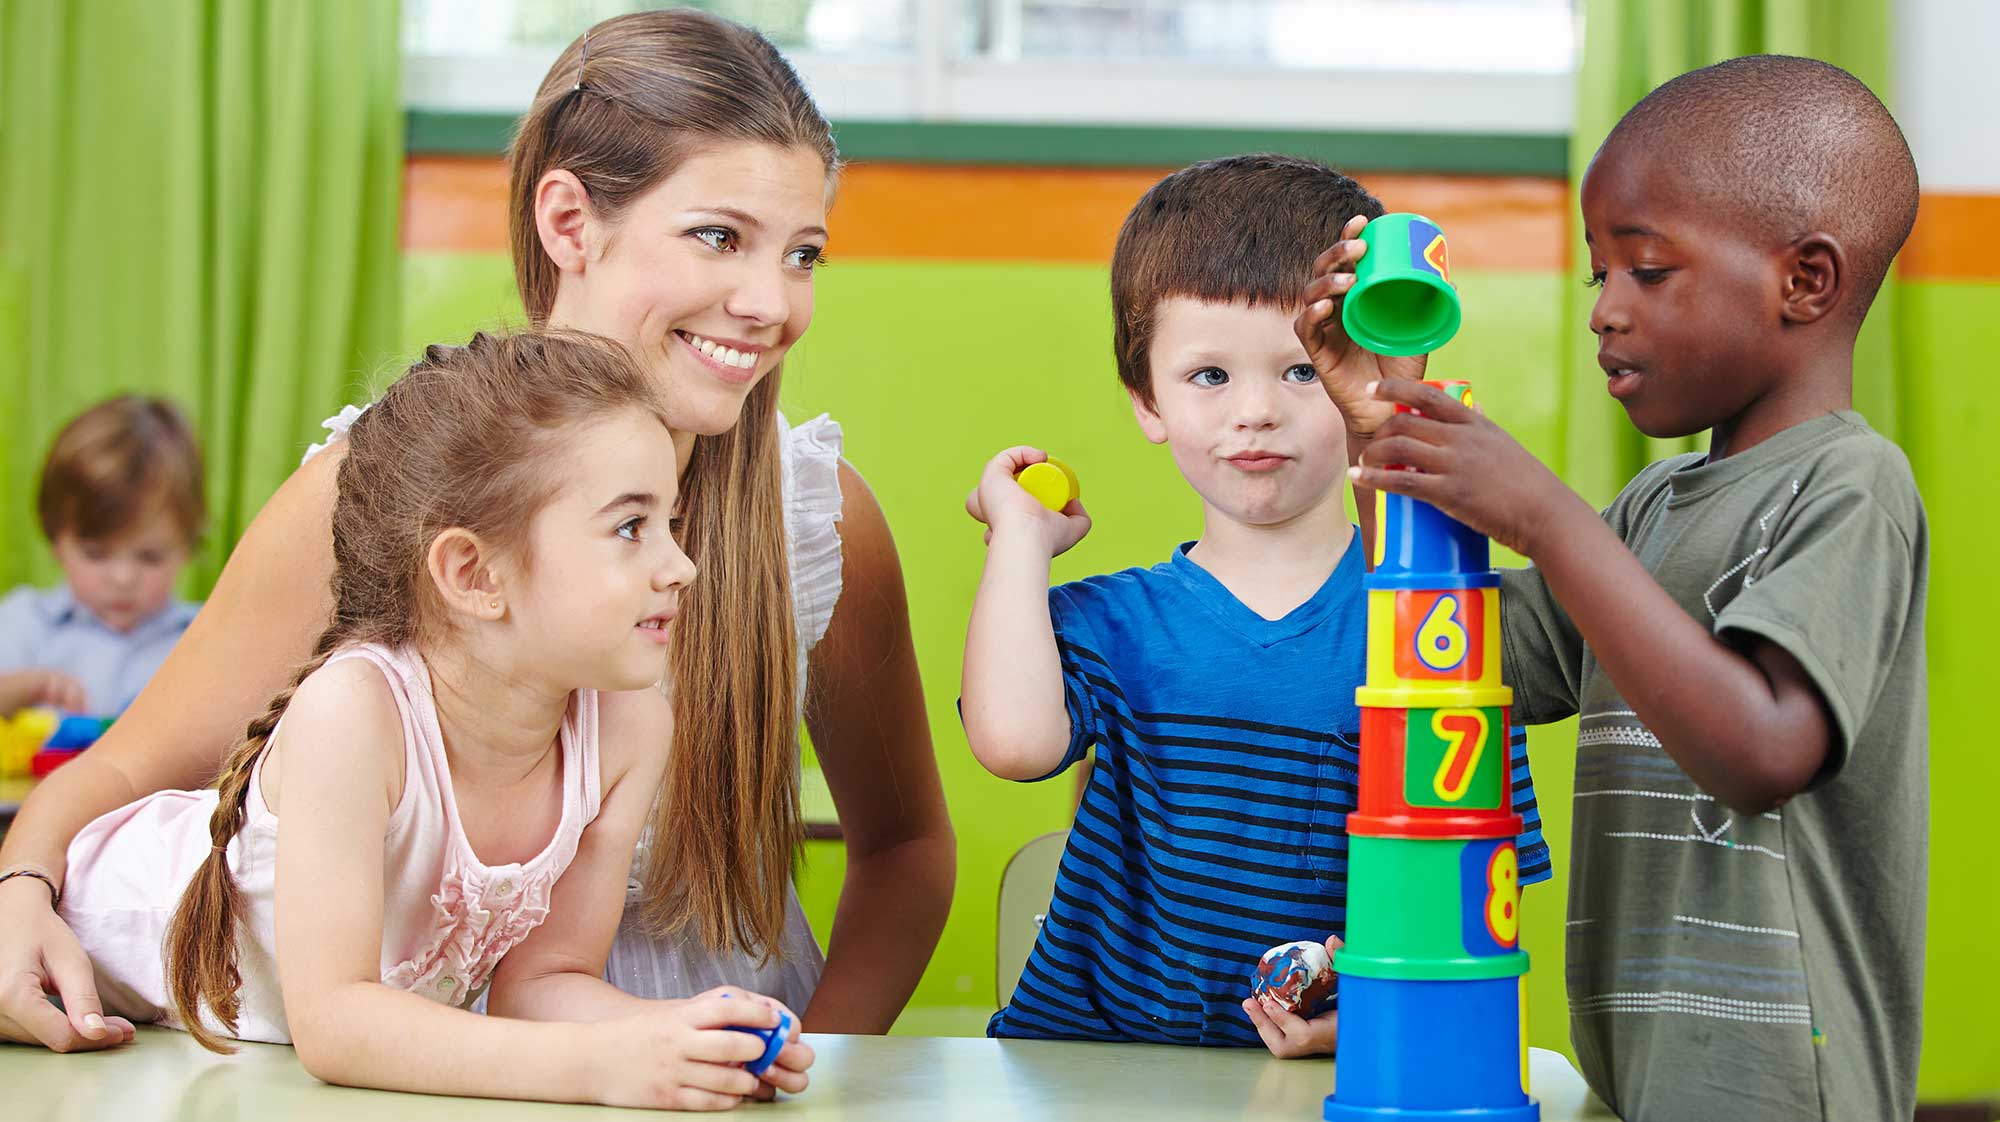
x=1769, y=966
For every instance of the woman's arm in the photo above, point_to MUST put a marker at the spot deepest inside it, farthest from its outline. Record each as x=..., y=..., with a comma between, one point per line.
x=865, y=711
x=270, y=603
x=340, y=765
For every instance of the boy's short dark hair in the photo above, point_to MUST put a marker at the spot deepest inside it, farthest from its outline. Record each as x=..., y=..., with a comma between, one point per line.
x=1784, y=146
x=1239, y=228
x=117, y=462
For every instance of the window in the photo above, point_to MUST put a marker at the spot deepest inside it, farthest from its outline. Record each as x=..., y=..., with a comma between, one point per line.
x=1462, y=66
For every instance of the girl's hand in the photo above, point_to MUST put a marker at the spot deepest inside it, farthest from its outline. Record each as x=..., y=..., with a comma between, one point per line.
x=787, y=1072
x=1007, y=508
x=1290, y=1036
x=1453, y=458
x=39, y=956
x=682, y=1055
x=1345, y=368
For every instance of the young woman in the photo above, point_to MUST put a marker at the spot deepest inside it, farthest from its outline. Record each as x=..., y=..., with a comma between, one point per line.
x=669, y=191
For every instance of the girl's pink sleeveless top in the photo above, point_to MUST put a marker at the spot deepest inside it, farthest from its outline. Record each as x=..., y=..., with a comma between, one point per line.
x=447, y=917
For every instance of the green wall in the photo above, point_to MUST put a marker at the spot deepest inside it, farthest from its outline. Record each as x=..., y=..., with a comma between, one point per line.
x=1951, y=333
x=932, y=367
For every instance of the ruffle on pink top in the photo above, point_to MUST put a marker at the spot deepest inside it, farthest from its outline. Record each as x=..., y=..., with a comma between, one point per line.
x=477, y=912
x=481, y=915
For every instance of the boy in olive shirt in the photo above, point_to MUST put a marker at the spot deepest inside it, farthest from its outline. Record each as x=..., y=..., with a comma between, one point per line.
x=1742, y=631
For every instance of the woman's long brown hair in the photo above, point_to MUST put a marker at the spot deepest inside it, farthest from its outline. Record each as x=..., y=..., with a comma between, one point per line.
x=464, y=439
x=621, y=109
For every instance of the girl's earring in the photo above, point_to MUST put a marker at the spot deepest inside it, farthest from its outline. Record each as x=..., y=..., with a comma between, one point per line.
x=495, y=605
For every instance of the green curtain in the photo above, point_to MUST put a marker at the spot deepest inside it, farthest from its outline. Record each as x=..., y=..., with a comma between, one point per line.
x=1630, y=47
x=200, y=200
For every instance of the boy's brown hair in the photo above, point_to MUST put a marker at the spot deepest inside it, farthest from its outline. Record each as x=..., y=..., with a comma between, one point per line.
x=1241, y=228
x=117, y=462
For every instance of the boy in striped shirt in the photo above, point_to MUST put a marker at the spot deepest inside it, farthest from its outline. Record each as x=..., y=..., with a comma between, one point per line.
x=1217, y=688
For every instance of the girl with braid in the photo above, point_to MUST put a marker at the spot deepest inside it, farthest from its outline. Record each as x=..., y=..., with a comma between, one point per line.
x=460, y=801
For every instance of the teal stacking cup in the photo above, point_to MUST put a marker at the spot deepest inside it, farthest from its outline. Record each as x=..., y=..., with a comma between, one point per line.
x=1402, y=302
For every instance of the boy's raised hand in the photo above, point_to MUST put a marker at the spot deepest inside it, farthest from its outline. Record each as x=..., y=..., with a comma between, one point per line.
x=1007, y=509
x=1345, y=368
x=1464, y=465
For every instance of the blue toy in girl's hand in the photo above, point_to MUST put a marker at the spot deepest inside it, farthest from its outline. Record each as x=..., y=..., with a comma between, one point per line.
x=774, y=1041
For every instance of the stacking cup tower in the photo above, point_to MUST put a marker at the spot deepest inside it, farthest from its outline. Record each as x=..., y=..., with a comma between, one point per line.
x=1432, y=1018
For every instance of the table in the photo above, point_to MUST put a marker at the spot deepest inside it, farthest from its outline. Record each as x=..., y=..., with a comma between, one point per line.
x=165, y=1077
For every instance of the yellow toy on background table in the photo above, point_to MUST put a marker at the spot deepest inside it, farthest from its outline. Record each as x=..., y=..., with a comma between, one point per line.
x=23, y=735
x=37, y=740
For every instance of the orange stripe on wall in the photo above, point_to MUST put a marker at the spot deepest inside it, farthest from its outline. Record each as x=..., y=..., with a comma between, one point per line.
x=958, y=213
x=931, y=212
x=455, y=204
x=1073, y=214
x=1957, y=238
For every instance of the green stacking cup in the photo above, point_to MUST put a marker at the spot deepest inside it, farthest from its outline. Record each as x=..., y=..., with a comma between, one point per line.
x=1402, y=302
x=1431, y=909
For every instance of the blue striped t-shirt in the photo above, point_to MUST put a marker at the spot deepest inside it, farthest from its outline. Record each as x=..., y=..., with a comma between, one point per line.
x=1214, y=826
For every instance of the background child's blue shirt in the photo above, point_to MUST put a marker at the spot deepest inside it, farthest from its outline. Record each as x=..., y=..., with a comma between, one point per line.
x=1214, y=826
x=49, y=629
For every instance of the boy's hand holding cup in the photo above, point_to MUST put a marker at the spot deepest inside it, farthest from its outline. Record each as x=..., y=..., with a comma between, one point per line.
x=1379, y=301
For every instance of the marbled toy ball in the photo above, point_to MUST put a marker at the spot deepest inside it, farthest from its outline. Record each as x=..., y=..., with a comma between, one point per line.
x=1297, y=977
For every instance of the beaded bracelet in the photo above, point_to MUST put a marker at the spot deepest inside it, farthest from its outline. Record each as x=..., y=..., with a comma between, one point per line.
x=55, y=893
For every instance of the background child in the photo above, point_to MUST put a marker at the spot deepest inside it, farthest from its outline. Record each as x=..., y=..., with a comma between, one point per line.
x=121, y=505
x=1218, y=687
x=1742, y=632
x=456, y=795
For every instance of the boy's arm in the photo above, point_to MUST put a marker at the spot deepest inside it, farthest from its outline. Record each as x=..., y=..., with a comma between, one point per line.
x=1345, y=368
x=1011, y=695
x=17, y=626
x=1748, y=726
x=1543, y=660
x=20, y=689
x=21, y=684
x=1533, y=863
